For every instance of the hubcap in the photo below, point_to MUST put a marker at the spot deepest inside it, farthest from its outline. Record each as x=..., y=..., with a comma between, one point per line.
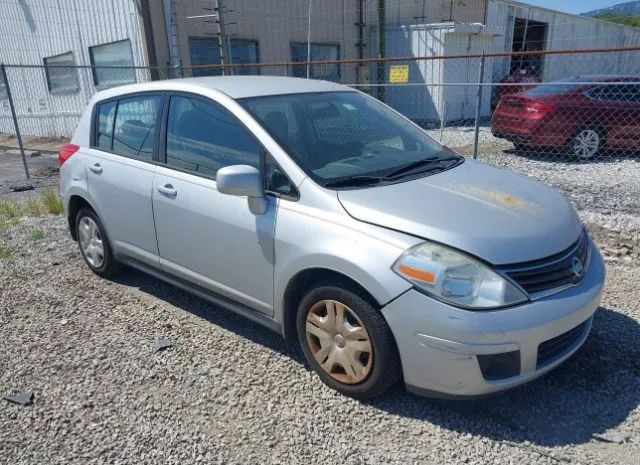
x=339, y=341
x=91, y=241
x=586, y=143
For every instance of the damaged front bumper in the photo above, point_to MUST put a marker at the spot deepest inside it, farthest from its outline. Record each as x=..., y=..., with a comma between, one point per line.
x=451, y=352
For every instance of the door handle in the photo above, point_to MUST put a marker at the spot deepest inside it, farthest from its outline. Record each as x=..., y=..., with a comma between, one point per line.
x=167, y=190
x=96, y=168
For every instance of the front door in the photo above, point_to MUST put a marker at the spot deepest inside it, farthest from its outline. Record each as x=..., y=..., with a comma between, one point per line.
x=206, y=237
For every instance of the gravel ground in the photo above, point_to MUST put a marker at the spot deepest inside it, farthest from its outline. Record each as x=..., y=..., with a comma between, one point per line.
x=232, y=392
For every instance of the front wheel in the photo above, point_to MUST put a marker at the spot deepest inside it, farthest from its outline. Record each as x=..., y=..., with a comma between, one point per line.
x=586, y=144
x=347, y=341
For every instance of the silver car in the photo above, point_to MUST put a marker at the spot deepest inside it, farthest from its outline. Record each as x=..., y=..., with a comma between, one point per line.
x=322, y=214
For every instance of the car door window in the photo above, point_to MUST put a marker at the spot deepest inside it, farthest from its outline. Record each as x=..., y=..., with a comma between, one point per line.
x=203, y=137
x=276, y=182
x=134, y=126
x=106, y=116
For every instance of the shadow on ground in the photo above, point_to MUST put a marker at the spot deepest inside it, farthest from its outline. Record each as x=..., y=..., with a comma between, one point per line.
x=594, y=391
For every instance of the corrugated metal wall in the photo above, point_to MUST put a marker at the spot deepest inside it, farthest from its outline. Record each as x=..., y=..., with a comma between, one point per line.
x=31, y=30
x=567, y=32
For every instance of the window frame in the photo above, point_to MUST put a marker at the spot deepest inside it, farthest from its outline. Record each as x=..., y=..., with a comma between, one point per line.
x=156, y=133
x=48, y=77
x=93, y=64
x=301, y=63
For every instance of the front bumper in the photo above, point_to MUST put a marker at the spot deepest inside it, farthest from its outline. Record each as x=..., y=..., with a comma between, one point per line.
x=439, y=344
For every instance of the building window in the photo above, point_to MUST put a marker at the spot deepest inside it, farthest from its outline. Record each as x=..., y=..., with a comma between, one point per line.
x=109, y=55
x=61, y=73
x=319, y=52
x=206, y=51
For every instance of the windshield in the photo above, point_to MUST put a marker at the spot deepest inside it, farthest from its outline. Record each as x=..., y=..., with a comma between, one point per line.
x=342, y=135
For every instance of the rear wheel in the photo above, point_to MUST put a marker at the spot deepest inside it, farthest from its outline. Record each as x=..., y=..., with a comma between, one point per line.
x=94, y=244
x=586, y=143
x=347, y=341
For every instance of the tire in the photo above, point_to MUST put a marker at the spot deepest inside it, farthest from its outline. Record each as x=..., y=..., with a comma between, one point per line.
x=94, y=244
x=358, y=374
x=586, y=143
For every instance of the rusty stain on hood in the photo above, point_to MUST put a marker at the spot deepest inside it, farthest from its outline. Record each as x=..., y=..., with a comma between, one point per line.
x=498, y=198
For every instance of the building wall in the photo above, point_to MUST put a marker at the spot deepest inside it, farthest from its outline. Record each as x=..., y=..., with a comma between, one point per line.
x=567, y=32
x=31, y=30
x=276, y=24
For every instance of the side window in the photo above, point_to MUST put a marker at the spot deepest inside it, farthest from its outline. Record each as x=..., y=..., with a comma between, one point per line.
x=275, y=181
x=203, y=137
x=135, y=126
x=106, y=115
x=617, y=93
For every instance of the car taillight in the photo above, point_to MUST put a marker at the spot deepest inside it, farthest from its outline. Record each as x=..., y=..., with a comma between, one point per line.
x=539, y=109
x=66, y=151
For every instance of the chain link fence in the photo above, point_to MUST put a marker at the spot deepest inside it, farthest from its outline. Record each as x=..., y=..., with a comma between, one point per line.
x=579, y=132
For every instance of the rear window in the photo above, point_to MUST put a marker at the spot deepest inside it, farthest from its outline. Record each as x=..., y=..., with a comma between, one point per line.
x=551, y=89
x=127, y=126
x=558, y=87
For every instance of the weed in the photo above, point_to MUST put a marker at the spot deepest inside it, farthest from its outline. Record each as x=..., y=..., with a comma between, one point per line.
x=5, y=252
x=33, y=207
x=10, y=210
x=52, y=202
x=36, y=234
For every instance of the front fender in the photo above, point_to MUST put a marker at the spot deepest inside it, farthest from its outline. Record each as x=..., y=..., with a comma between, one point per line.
x=362, y=252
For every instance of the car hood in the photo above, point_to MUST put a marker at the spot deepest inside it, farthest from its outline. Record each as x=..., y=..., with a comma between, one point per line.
x=496, y=215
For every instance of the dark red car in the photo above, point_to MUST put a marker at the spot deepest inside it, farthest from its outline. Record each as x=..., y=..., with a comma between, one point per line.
x=582, y=115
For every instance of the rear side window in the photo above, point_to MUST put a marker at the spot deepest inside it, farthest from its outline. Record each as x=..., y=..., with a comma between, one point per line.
x=616, y=93
x=134, y=127
x=106, y=115
x=203, y=137
x=127, y=126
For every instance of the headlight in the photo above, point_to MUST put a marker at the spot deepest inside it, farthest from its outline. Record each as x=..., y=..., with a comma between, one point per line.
x=454, y=277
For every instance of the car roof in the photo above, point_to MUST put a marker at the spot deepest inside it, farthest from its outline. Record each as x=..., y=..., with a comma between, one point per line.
x=236, y=87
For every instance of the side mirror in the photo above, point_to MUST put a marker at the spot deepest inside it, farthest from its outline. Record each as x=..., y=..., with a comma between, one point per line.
x=243, y=181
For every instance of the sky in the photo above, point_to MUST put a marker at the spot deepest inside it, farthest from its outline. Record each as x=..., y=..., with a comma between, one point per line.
x=575, y=6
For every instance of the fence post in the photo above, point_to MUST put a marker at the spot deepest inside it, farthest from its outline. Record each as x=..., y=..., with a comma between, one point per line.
x=476, y=133
x=15, y=124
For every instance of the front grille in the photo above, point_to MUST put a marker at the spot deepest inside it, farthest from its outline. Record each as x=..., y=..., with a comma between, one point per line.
x=552, y=349
x=557, y=271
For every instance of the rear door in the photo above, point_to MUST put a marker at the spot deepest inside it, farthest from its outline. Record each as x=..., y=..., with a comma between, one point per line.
x=205, y=237
x=120, y=171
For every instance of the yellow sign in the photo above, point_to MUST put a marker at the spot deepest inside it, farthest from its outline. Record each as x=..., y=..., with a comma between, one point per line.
x=398, y=74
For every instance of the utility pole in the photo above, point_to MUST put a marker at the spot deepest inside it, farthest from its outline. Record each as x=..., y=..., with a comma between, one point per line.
x=223, y=40
x=309, y=40
x=224, y=44
x=381, y=26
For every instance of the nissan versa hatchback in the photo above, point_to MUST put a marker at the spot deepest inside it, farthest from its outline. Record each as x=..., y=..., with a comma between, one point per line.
x=322, y=214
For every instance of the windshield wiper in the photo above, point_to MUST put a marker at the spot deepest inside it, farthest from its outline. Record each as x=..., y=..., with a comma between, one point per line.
x=354, y=181
x=430, y=163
